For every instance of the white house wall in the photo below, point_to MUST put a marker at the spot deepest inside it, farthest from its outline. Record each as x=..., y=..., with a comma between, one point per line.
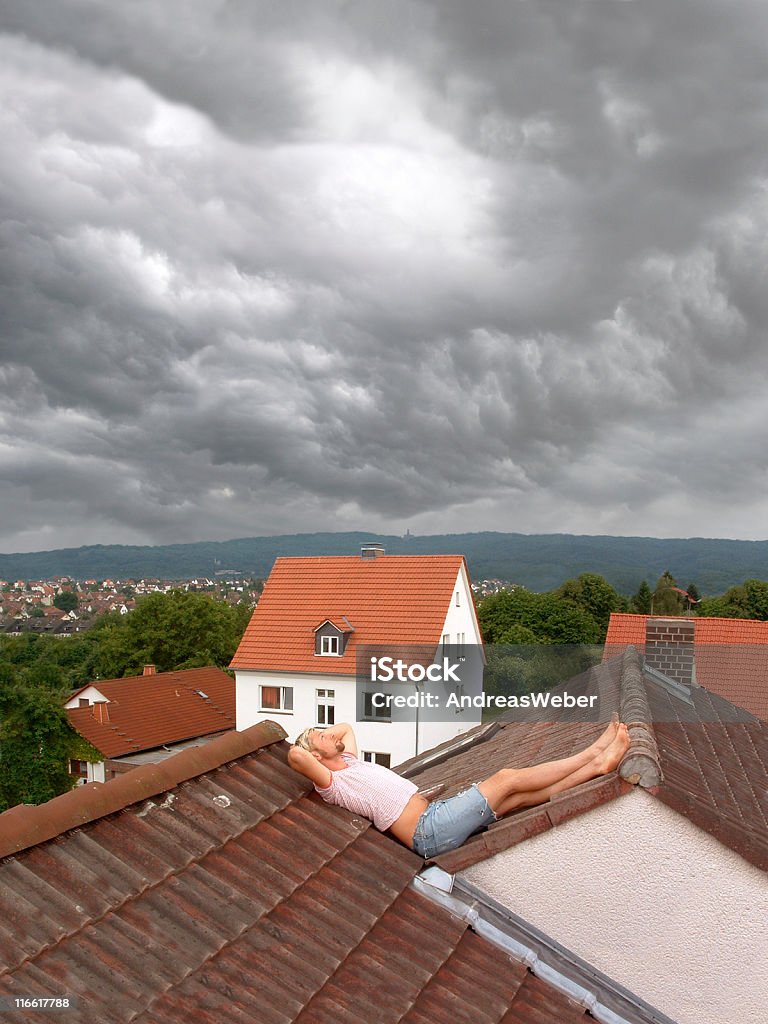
x=460, y=619
x=394, y=738
x=398, y=739
x=651, y=900
x=90, y=693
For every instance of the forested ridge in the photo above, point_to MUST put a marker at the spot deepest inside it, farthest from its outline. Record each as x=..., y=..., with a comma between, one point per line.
x=537, y=561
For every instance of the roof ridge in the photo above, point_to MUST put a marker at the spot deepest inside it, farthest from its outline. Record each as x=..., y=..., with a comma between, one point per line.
x=642, y=763
x=26, y=825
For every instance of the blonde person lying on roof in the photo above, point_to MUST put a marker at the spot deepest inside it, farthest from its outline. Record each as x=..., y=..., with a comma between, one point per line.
x=328, y=757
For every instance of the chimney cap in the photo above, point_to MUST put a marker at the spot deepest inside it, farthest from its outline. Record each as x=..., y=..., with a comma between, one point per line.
x=372, y=550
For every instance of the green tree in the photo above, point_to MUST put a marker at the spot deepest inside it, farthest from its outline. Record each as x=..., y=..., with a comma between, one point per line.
x=67, y=601
x=35, y=743
x=748, y=600
x=666, y=598
x=595, y=596
x=642, y=600
x=693, y=593
x=181, y=629
x=547, y=618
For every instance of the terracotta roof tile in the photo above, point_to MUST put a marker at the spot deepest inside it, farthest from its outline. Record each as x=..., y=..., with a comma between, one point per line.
x=389, y=599
x=731, y=655
x=149, y=711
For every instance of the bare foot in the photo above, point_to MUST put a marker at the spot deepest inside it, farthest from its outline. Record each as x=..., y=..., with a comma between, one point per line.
x=610, y=758
x=607, y=736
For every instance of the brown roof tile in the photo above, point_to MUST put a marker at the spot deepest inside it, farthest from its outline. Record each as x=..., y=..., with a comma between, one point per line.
x=702, y=756
x=150, y=711
x=214, y=887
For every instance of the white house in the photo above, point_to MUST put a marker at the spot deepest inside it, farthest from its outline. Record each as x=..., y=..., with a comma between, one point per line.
x=303, y=657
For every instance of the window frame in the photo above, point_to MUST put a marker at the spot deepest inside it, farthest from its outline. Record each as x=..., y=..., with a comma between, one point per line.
x=325, y=698
x=375, y=714
x=286, y=706
x=327, y=638
x=371, y=756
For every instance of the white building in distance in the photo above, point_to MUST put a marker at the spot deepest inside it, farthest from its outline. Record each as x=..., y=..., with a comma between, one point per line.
x=303, y=657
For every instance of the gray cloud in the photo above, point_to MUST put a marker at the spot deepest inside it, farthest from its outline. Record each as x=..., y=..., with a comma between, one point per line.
x=306, y=266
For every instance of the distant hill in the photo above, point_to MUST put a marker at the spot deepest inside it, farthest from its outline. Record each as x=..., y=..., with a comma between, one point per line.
x=538, y=561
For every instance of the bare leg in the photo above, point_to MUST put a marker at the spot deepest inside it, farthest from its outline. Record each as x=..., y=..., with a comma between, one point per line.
x=504, y=790
x=607, y=761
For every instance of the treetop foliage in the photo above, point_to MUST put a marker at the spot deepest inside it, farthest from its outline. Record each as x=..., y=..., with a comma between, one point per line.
x=37, y=674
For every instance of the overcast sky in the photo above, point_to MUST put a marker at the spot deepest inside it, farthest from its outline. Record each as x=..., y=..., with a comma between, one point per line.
x=301, y=265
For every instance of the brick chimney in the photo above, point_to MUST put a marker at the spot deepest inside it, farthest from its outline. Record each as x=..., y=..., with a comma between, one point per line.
x=669, y=648
x=150, y=670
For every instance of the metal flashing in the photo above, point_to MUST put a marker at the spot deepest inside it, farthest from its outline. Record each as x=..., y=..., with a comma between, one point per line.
x=605, y=1000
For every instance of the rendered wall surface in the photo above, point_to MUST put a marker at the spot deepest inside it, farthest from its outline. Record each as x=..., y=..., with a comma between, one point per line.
x=652, y=901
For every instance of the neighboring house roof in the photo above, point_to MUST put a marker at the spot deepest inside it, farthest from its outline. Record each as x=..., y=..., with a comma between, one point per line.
x=731, y=655
x=699, y=754
x=149, y=711
x=214, y=887
x=392, y=599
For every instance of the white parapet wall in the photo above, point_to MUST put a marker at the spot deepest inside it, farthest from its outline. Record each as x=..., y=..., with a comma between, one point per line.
x=651, y=900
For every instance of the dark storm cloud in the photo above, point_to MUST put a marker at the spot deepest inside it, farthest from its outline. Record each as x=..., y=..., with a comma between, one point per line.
x=272, y=267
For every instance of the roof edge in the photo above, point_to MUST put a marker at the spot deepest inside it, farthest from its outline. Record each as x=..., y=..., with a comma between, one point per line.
x=27, y=825
x=642, y=763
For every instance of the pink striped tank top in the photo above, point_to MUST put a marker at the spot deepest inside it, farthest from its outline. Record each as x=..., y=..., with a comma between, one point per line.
x=369, y=789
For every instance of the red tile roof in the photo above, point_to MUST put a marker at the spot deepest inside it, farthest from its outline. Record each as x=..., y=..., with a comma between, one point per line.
x=731, y=655
x=392, y=599
x=149, y=711
x=214, y=888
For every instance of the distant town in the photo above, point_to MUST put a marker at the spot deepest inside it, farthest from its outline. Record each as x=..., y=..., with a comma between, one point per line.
x=62, y=606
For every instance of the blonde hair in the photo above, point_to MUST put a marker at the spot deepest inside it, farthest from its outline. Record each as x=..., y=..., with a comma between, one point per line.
x=303, y=739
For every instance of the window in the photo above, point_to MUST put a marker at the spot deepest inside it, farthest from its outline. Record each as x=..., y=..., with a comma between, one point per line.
x=276, y=698
x=330, y=645
x=376, y=757
x=79, y=769
x=460, y=641
x=457, y=599
x=459, y=692
x=446, y=642
x=381, y=714
x=326, y=712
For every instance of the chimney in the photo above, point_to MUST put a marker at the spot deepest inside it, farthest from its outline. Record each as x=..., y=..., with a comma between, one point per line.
x=150, y=670
x=100, y=711
x=669, y=648
x=372, y=550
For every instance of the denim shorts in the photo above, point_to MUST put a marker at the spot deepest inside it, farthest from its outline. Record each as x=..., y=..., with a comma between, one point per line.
x=446, y=824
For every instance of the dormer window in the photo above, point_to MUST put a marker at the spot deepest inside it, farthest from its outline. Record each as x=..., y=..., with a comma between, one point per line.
x=330, y=645
x=330, y=640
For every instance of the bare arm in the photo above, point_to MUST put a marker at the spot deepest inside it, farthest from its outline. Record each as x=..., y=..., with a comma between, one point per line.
x=344, y=732
x=302, y=761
